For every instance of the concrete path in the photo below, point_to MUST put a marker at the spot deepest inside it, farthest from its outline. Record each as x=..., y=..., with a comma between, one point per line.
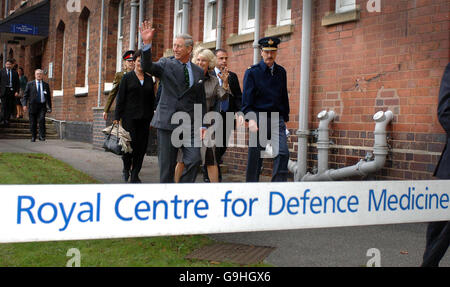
x=399, y=245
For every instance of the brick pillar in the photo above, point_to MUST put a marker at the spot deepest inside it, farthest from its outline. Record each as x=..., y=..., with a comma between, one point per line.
x=98, y=125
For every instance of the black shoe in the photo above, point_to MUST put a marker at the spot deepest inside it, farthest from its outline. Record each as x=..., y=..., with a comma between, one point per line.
x=42, y=139
x=33, y=140
x=205, y=174
x=125, y=175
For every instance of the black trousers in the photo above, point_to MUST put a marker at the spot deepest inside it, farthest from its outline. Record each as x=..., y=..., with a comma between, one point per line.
x=37, y=116
x=438, y=241
x=139, y=130
x=8, y=104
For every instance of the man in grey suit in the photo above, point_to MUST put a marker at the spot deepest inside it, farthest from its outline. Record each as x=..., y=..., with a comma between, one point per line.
x=182, y=89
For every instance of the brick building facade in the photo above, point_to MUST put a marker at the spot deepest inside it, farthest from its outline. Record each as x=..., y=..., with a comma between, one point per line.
x=362, y=61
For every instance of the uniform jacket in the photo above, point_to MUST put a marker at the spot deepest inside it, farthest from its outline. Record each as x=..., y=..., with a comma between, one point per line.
x=113, y=93
x=264, y=92
x=174, y=96
x=443, y=167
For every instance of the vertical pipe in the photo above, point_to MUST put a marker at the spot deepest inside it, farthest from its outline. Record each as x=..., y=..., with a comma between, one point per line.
x=141, y=19
x=185, y=22
x=133, y=15
x=219, y=24
x=256, y=53
x=100, y=62
x=5, y=47
x=303, y=131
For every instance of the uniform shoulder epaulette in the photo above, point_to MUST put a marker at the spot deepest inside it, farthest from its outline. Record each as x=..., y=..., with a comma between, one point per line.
x=252, y=66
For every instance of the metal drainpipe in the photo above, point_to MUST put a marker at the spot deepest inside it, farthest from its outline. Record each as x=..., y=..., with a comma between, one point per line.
x=219, y=24
x=5, y=46
x=132, y=44
x=362, y=168
x=323, y=142
x=141, y=19
x=185, y=21
x=256, y=52
x=100, y=62
x=303, y=131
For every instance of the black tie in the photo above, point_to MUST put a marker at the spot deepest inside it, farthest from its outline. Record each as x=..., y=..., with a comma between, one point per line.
x=9, y=77
x=186, y=77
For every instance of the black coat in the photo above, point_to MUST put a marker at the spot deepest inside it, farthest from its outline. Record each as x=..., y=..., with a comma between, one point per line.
x=235, y=99
x=443, y=167
x=133, y=100
x=4, y=81
x=30, y=96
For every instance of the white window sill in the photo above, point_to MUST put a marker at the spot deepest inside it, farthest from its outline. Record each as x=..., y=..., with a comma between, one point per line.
x=58, y=93
x=108, y=87
x=81, y=91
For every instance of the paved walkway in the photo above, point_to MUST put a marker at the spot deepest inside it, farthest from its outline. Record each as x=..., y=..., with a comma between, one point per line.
x=399, y=245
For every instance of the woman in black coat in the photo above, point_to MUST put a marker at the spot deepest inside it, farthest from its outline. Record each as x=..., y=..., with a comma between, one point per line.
x=134, y=106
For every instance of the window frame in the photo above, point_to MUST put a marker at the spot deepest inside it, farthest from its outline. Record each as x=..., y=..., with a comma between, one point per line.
x=119, y=50
x=245, y=25
x=178, y=17
x=342, y=6
x=209, y=34
x=284, y=15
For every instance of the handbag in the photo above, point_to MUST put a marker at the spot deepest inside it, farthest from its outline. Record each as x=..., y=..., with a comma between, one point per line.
x=111, y=143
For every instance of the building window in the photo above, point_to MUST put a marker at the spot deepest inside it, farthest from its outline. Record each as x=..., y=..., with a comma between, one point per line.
x=246, y=16
x=120, y=37
x=83, y=51
x=59, y=57
x=284, y=12
x=345, y=5
x=178, y=17
x=86, y=68
x=210, y=23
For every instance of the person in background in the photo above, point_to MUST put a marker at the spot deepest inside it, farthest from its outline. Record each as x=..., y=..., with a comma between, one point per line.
x=129, y=66
x=23, y=84
x=134, y=106
x=438, y=233
x=37, y=96
x=9, y=89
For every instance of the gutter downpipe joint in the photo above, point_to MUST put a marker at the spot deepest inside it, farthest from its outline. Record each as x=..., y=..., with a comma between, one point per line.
x=362, y=168
x=323, y=142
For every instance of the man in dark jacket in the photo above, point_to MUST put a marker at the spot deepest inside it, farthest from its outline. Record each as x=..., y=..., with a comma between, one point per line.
x=438, y=233
x=37, y=95
x=265, y=91
x=9, y=89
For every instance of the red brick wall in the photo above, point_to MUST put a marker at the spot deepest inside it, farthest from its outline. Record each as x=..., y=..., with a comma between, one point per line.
x=388, y=60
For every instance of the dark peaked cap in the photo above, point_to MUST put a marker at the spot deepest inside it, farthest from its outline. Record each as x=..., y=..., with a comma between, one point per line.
x=269, y=43
x=128, y=56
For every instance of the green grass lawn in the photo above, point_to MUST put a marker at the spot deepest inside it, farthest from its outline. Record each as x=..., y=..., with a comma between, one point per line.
x=152, y=251
x=36, y=168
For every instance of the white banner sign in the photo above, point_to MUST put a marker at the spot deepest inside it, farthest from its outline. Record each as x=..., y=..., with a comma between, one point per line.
x=72, y=212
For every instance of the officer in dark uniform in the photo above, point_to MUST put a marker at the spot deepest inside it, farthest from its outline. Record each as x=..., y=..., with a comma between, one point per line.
x=265, y=90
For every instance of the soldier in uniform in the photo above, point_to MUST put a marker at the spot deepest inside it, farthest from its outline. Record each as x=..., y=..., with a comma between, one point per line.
x=129, y=66
x=265, y=90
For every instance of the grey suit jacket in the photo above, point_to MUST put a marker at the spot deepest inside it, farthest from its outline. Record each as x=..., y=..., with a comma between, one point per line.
x=174, y=96
x=443, y=167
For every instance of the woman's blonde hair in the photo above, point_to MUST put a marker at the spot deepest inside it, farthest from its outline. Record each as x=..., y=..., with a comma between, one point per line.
x=206, y=53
